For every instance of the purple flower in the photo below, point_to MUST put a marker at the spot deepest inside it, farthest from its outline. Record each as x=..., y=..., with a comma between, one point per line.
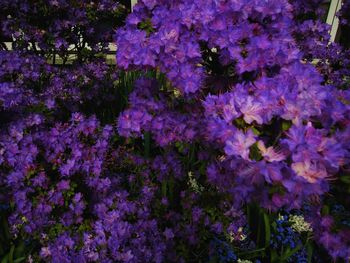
x=239, y=144
x=168, y=233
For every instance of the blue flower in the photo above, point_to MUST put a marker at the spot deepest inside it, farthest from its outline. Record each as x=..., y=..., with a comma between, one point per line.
x=284, y=236
x=222, y=250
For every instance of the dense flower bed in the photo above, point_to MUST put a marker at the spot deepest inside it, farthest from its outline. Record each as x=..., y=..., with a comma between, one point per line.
x=221, y=134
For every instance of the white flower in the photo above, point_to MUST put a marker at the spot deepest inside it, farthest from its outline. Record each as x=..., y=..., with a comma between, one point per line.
x=194, y=184
x=299, y=224
x=240, y=236
x=244, y=261
x=280, y=217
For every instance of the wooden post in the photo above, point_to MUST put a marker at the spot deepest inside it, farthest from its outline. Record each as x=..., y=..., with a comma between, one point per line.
x=332, y=19
x=133, y=2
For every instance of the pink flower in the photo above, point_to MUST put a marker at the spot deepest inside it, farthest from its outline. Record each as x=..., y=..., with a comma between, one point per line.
x=45, y=252
x=309, y=170
x=270, y=154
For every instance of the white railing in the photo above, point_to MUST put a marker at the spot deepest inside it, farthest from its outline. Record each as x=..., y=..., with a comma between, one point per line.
x=133, y=2
x=332, y=19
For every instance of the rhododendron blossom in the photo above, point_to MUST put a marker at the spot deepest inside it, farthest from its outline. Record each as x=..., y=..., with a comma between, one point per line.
x=218, y=131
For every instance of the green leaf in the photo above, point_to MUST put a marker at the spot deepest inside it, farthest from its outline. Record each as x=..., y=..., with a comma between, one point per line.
x=11, y=254
x=146, y=25
x=5, y=229
x=255, y=131
x=309, y=253
x=289, y=252
x=19, y=251
x=5, y=259
x=286, y=125
x=239, y=123
x=254, y=153
x=274, y=256
x=345, y=178
x=164, y=188
x=17, y=260
x=267, y=229
x=325, y=210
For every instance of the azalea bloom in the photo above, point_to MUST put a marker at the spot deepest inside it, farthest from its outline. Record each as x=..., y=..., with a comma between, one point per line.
x=270, y=154
x=252, y=110
x=309, y=170
x=190, y=83
x=239, y=144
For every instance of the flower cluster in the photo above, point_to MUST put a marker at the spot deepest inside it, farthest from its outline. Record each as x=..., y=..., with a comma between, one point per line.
x=62, y=24
x=218, y=116
x=299, y=224
x=223, y=251
x=150, y=111
x=83, y=199
x=273, y=124
x=313, y=38
x=40, y=166
x=285, y=235
x=122, y=231
x=19, y=76
x=331, y=230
